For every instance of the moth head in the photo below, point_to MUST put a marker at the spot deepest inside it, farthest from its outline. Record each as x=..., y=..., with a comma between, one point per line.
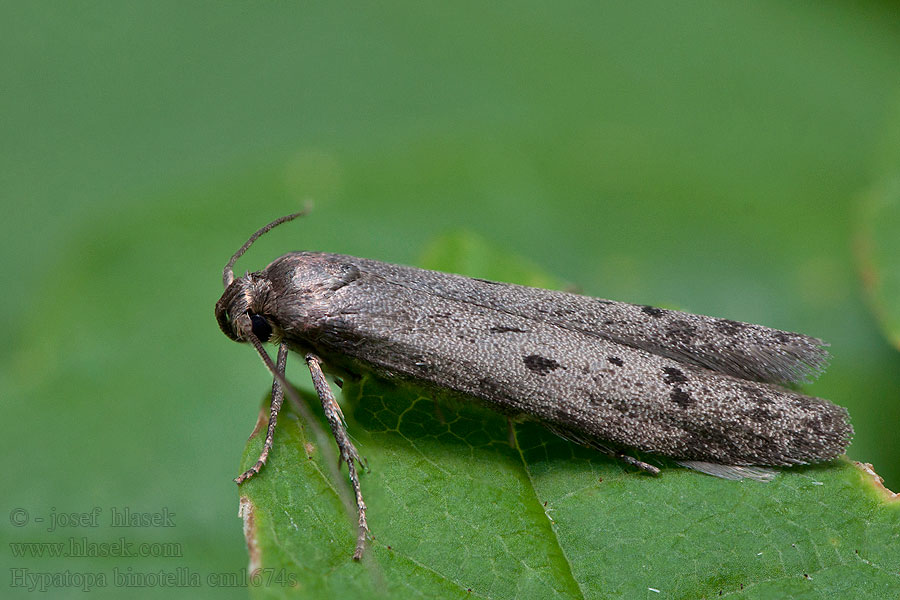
x=245, y=311
x=247, y=306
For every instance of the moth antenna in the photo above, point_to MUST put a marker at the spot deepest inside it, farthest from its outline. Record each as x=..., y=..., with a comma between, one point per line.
x=228, y=272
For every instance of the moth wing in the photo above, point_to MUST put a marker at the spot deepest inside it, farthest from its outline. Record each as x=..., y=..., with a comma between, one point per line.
x=735, y=348
x=433, y=329
x=732, y=472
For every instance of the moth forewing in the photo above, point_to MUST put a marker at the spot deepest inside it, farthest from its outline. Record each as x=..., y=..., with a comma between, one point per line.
x=394, y=325
x=731, y=347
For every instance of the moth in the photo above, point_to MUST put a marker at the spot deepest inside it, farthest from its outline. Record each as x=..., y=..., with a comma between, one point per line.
x=708, y=393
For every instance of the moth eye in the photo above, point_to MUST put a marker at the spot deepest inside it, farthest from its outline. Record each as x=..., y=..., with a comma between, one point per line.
x=261, y=327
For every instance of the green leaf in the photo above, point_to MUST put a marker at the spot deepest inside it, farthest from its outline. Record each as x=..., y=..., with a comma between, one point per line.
x=461, y=504
x=878, y=251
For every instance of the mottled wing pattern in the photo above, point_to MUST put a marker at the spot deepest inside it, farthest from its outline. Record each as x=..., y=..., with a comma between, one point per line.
x=741, y=349
x=540, y=353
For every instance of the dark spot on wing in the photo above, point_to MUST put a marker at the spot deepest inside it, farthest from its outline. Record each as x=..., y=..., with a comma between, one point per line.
x=600, y=301
x=539, y=364
x=488, y=281
x=652, y=311
x=673, y=376
x=615, y=360
x=681, y=398
x=502, y=329
x=729, y=327
x=681, y=330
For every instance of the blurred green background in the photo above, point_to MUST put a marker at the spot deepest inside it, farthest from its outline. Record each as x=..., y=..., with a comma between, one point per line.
x=708, y=157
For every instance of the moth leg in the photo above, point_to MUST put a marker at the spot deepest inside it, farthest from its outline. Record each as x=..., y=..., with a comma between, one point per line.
x=348, y=452
x=636, y=463
x=277, y=399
